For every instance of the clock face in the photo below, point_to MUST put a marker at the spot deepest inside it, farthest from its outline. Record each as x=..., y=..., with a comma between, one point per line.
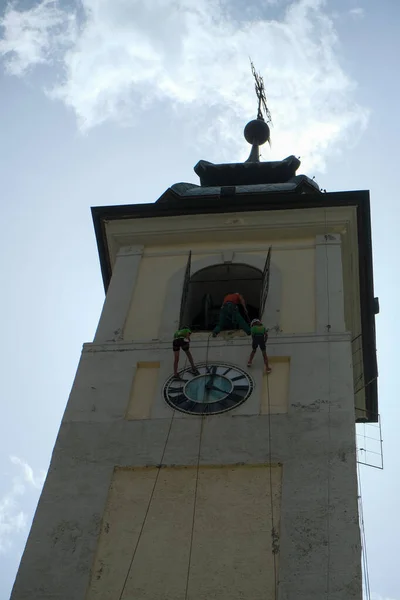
x=219, y=387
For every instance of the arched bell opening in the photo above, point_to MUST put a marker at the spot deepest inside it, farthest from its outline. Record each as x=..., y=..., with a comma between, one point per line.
x=204, y=292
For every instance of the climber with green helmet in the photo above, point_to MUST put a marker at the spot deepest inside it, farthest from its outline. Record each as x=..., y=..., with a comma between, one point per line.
x=182, y=341
x=259, y=336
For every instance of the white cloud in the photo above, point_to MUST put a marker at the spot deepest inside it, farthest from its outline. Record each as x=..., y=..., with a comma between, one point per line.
x=358, y=12
x=13, y=519
x=34, y=36
x=121, y=56
x=28, y=474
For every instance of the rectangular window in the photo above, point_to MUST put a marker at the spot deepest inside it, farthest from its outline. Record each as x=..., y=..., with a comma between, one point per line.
x=144, y=389
x=274, y=398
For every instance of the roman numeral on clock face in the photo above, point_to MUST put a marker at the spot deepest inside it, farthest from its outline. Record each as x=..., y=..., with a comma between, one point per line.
x=238, y=377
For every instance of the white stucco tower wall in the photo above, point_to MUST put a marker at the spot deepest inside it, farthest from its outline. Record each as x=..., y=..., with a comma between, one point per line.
x=144, y=502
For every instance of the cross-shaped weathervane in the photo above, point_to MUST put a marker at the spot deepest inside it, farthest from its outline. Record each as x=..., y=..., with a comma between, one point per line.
x=260, y=91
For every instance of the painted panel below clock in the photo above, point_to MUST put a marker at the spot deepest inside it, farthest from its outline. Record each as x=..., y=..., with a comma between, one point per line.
x=231, y=550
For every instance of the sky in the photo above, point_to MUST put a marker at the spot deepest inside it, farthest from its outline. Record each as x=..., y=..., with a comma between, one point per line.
x=110, y=102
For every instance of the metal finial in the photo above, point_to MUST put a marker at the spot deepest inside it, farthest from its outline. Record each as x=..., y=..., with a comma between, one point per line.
x=257, y=132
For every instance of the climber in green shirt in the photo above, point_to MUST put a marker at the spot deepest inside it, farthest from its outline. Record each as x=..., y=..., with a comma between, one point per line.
x=259, y=337
x=182, y=340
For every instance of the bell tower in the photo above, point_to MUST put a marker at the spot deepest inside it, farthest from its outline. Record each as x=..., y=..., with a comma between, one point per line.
x=230, y=483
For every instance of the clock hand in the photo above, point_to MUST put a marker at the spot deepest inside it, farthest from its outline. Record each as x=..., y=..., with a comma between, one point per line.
x=210, y=379
x=217, y=389
x=211, y=376
x=212, y=372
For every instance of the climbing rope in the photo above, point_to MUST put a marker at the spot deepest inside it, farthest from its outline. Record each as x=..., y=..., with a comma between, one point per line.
x=155, y=485
x=197, y=480
x=194, y=507
x=364, y=555
x=328, y=331
x=274, y=533
x=208, y=348
x=159, y=467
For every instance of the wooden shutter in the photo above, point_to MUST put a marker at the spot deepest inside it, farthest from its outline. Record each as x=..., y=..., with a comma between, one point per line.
x=265, y=283
x=185, y=290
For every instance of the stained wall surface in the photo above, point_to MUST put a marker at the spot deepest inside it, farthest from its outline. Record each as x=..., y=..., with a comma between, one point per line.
x=173, y=522
x=123, y=452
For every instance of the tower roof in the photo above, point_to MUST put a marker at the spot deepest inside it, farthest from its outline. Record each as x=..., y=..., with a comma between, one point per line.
x=244, y=177
x=251, y=175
